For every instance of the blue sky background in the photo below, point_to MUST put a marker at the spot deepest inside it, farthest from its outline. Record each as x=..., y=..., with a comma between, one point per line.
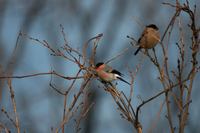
x=39, y=107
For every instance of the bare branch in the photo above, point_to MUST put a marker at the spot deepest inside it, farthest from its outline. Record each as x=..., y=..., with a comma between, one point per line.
x=116, y=56
x=4, y=127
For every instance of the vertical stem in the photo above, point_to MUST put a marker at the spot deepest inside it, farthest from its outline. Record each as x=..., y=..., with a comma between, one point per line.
x=65, y=103
x=15, y=110
x=181, y=104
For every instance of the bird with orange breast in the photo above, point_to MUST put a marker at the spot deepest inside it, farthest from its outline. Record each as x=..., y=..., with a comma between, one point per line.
x=107, y=73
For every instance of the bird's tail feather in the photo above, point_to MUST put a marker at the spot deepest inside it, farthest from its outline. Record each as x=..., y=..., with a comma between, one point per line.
x=137, y=50
x=123, y=80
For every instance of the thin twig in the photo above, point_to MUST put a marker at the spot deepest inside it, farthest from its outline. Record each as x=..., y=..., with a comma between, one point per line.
x=157, y=115
x=4, y=127
x=52, y=72
x=13, y=100
x=116, y=56
x=8, y=117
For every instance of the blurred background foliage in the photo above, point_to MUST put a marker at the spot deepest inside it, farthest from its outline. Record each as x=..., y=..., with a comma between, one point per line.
x=40, y=107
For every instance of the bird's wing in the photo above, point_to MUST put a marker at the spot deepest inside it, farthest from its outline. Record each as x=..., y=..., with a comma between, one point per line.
x=116, y=72
x=107, y=68
x=144, y=33
x=139, y=40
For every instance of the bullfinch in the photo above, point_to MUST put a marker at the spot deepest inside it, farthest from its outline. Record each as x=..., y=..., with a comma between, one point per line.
x=147, y=41
x=107, y=73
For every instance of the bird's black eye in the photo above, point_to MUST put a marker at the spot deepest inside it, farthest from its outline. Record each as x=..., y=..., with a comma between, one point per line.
x=99, y=64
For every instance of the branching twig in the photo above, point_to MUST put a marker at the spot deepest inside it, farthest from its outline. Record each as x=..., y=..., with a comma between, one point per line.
x=8, y=117
x=4, y=127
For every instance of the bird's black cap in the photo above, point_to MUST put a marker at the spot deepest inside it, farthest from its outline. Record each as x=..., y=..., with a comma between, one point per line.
x=99, y=64
x=152, y=26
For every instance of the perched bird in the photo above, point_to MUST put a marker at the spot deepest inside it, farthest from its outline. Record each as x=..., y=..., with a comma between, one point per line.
x=147, y=41
x=107, y=73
